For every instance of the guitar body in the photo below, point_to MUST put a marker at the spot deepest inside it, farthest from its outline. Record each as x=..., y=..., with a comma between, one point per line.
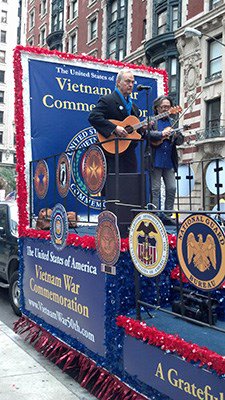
x=128, y=123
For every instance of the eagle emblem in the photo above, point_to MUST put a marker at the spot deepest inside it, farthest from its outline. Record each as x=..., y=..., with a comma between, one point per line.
x=202, y=253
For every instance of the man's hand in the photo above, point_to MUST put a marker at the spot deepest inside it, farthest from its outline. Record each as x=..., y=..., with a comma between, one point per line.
x=167, y=132
x=120, y=131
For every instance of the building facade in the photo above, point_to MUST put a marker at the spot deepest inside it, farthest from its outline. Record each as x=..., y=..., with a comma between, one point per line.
x=150, y=32
x=8, y=40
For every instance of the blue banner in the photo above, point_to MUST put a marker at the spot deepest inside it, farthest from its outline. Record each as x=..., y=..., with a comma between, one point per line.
x=61, y=98
x=169, y=374
x=66, y=289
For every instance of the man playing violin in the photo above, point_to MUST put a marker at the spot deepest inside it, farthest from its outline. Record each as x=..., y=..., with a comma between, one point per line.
x=164, y=157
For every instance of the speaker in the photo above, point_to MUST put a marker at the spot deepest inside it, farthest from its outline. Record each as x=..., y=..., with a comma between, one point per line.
x=131, y=192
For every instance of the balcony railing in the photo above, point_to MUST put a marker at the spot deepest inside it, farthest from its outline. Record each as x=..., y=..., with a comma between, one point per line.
x=213, y=77
x=209, y=133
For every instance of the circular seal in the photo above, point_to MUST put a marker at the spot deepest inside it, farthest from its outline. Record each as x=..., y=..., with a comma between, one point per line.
x=107, y=238
x=59, y=227
x=41, y=179
x=94, y=169
x=201, y=251
x=75, y=150
x=149, y=246
x=63, y=174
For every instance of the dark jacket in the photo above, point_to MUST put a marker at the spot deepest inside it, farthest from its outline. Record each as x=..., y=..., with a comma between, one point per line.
x=112, y=107
x=177, y=140
x=109, y=107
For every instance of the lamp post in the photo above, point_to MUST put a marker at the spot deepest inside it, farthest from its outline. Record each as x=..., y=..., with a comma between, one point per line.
x=191, y=32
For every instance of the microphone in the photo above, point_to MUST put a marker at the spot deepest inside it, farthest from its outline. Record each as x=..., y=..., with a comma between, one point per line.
x=143, y=87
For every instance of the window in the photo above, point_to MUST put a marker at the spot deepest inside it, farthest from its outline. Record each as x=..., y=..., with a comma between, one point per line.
x=31, y=19
x=43, y=7
x=214, y=58
x=112, y=50
x=57, y=15
x=213, y=113
x=4, y=16
x=122, y=8
x=121, y=47
x=161, y=22
x=2, y=76
x=175, y=19
x=1, y=96
x=0, y=156
x=116, y=52
x=92, y=29
x=73, y=43
x=215, y=3
x=3, y=36
x=114, y=11
x=173, y=75
x=1, y=137
x=144, y=27
x=43, y=36
x=74, y=9
x=31, y=42
x=1, y=117
x=117, y=29
x=2, y=56
x=60, y=25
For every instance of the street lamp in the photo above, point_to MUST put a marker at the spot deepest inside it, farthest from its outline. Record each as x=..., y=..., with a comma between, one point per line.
x=191, y=32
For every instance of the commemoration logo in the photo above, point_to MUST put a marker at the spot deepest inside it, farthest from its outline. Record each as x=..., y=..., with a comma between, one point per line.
x=94, y=169
x=59, y=227
x=41, y=179
x=107, y=238
x=201, y=251
x=149, y=246
x=80, y=142
x=63, y=175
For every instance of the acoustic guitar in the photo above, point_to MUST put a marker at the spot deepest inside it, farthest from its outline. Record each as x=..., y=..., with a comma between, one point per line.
x=131, y=124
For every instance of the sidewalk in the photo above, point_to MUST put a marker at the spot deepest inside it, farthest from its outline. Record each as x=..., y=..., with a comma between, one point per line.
x=27, y=375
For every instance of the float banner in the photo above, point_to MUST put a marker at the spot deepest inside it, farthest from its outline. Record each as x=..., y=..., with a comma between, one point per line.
x=57, y=287
x=61, y=99
x=169, y=374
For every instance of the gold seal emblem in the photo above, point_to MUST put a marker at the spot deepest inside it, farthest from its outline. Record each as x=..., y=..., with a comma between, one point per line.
x=94, y=169
x=41, y=179
x=107, y=238
x=149, y=246
x=201, y=251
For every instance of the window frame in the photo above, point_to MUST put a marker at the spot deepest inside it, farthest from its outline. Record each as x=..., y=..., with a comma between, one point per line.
x=209, y=122
x=2, y=97
x=1, y=117
x=3, y=75
x=3, y=36
x=210, y=60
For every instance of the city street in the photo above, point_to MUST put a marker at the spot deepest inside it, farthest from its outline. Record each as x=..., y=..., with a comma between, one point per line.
x=24, y=357
x=6, y=312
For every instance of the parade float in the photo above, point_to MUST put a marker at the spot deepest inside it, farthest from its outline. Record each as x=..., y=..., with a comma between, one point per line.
x=79, y=301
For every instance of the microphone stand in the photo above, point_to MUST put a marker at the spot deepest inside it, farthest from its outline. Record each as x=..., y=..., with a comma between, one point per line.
x=149, y=155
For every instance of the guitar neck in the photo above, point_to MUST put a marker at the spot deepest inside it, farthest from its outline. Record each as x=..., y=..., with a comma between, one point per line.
x=152, y=118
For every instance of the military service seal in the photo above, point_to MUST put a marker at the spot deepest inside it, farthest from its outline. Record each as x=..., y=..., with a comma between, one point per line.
x=149, y=246
x=201, y=251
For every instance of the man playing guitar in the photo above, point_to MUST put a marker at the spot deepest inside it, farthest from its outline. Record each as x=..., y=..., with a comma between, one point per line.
x=117, y=106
